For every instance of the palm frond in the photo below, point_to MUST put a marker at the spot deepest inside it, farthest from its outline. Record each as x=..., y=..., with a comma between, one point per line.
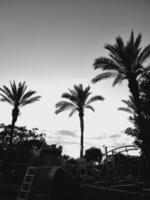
x=138, y=40
x=144, y=55
x=27, y=95
x=5, y=99
x=73, y=93
x=120, y=42
x=105, y=64
x=104, y=75
x=63, y=105
x=129, y=103
x=24, y=86
x=78, y=88
x=69, y=97
x=81, y=94
x=118, y=60
x=73, y=111
x=29, y=101
x=131, y=40
x=131, y=107
x=90, y=107
x=126, y=110
x=21, y=90
x=120, y=77
x=5, y=90
x=86, y=94
x=95, y=98
x=13, y=89
x=87, y=90
x=111, y=49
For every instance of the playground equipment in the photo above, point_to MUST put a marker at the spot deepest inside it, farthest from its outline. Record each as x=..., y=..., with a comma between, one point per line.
x=27, y=184
x=47, y=179
x=115, y=169
x=48, y=182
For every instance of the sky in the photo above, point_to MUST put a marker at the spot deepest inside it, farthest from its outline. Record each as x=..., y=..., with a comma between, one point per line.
x=52, y=45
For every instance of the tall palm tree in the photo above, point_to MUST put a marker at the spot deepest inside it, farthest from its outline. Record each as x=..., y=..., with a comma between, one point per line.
x=77, y=100
x=17, y=96
x=125, y=61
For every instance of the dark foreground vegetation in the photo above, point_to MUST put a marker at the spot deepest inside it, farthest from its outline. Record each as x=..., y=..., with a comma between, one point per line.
x=62, y=177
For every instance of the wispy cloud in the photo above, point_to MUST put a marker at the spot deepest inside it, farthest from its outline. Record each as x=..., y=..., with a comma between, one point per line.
x=102, y=137
x=62, y=137
x=66, y=133
x=97, y=138
x=114, y=136
x=63, y=142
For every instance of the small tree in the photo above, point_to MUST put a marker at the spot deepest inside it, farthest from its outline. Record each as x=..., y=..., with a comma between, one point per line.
x=93, y=154
x=23, y=141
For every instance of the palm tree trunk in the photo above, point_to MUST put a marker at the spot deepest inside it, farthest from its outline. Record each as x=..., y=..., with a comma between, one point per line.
x=81, y=116
x=10, y=147
x=15, y=113
x=134, y=89
x=11, y=134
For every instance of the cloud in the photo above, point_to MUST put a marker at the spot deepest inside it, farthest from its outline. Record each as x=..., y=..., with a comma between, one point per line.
x=97, y=138
x=62, y=137
x=66, y=133
x=63, y=142
x=114, y=136
x=70, y=143
x=102, y=137
x=48, y=137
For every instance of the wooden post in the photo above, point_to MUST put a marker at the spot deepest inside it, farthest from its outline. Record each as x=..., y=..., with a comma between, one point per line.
x=107, y=172
x=113, y=166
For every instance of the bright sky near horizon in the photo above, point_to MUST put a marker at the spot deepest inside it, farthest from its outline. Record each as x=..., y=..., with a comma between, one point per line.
x=52, y=44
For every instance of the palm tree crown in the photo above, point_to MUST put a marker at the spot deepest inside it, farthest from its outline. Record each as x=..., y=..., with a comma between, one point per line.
x=76, y=100
x=124, y=60
x=17, y=96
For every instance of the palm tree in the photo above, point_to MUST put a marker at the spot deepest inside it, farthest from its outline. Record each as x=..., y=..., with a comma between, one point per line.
x=77, y=100
x=125, y=61
x=17, y=96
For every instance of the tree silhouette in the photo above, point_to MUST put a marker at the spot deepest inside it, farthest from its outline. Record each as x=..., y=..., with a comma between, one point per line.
x=17, y=96
x=93, y=154
x=23, y=142
x=77, y=100
x=125, y=61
